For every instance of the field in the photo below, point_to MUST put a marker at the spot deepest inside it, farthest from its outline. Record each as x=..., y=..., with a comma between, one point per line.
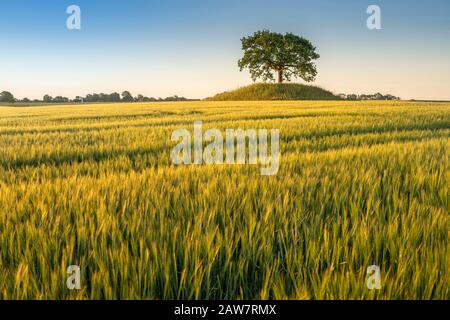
x=360, y=184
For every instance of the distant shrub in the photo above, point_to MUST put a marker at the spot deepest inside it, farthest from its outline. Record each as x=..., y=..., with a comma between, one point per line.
x=376, y=96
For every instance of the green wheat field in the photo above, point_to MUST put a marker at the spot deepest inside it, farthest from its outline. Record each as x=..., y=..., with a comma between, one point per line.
x=359, y=184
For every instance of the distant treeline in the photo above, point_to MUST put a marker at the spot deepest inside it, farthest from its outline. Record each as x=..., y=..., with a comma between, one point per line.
x=376, y=96
x=126, y=96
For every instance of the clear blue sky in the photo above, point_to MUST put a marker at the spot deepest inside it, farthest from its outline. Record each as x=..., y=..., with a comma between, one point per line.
x=191, y=47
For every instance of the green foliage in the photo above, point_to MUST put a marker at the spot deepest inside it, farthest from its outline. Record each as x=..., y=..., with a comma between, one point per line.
x=376, y=96
x=279, y=91
x=47, y=99
x=127, y=97
x=7, y=96
x=360, y=183
x=288, y=55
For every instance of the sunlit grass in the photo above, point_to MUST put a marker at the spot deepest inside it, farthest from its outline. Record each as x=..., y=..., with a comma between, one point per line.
x=360, y=184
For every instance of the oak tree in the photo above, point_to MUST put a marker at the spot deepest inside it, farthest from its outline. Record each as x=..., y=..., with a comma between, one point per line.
x=287, y=55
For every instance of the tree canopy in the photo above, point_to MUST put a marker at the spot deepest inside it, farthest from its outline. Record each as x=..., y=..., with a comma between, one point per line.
x=126, y=96
x=7, y=96
x=288, y=55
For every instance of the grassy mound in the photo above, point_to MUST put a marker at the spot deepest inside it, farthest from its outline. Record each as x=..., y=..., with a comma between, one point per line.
x=269, y=91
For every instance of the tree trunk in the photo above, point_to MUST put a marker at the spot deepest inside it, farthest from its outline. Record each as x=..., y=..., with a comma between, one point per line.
x=280, y=76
